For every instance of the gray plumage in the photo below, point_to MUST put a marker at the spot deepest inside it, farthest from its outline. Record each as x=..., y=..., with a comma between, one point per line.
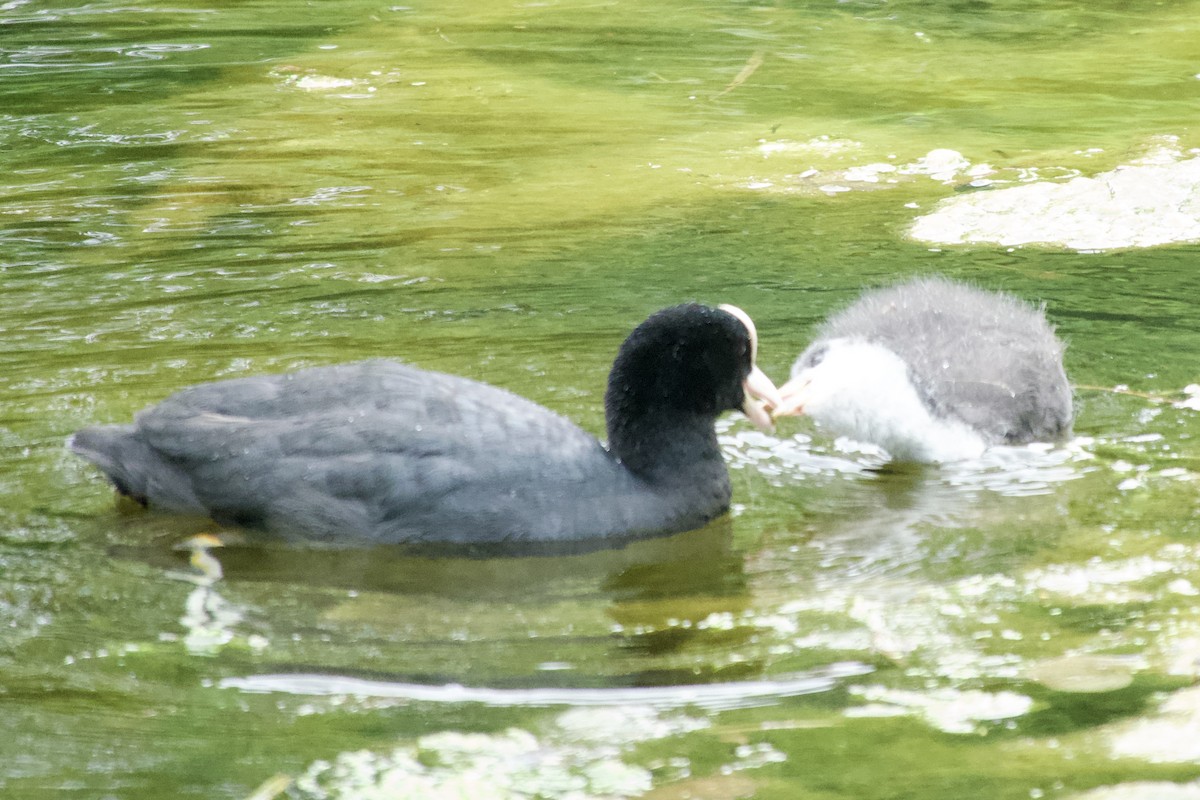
x=383, y=452
x=986, y=359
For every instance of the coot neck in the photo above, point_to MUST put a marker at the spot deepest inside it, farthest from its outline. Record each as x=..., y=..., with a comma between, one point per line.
x=668, y=447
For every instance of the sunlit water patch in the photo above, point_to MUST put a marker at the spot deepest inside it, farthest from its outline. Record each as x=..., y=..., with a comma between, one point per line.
x=1143, y=790
x=580, y=754
x=948, y=710
x=1171, y=734
x=831, y=166
x=1153, y=201
x=1084, y=673
x=955, y=636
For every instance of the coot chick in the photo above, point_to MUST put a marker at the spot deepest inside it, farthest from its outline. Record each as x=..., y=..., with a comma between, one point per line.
x=379, y=452
x=933, y=371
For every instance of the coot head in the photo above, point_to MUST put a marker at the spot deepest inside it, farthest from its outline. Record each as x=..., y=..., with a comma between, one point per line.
x=845, y=378
x=688, y=361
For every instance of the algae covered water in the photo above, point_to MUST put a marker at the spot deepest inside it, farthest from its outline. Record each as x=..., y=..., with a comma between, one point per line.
x=502, y=190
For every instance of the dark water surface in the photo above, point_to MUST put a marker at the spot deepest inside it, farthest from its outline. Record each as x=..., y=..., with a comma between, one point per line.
x=502, y=190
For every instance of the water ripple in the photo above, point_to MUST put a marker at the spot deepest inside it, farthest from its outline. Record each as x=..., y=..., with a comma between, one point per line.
x=715, y=696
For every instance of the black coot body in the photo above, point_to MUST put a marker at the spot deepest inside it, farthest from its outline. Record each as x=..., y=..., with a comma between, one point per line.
x=381, y=452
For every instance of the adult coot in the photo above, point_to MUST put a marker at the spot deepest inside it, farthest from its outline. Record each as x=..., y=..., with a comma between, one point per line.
x=931, y=370
x=381, y=452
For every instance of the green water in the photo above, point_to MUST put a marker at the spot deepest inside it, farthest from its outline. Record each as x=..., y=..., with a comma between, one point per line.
x=501, y=190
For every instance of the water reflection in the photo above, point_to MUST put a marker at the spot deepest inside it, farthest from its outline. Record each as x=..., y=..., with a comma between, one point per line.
x=866, y=515
x=693, y=563
x=208, y=619
x=608, y=616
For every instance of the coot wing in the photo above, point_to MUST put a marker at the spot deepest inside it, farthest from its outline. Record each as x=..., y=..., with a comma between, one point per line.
x=378, y=450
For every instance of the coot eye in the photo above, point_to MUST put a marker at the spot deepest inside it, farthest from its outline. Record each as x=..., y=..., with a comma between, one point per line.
x=815, y=356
